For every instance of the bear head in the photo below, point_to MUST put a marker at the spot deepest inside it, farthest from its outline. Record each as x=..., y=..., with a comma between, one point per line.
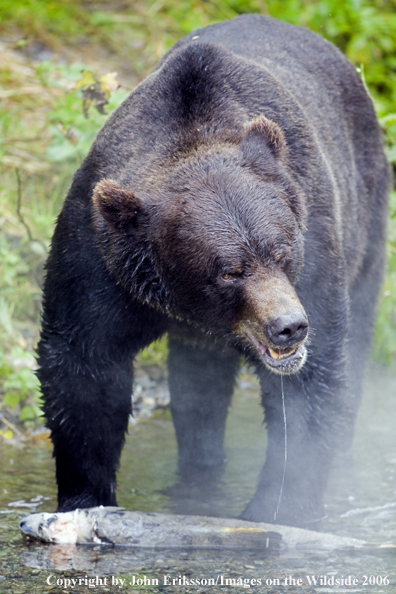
x=216, y=240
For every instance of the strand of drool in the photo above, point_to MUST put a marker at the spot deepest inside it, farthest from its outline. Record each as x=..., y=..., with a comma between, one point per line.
x=285, y=459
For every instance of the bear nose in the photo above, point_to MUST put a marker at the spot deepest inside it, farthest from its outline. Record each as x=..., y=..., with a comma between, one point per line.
x=288, y=329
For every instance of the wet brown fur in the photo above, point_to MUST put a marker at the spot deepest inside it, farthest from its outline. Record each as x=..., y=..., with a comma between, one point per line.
x=242, y=181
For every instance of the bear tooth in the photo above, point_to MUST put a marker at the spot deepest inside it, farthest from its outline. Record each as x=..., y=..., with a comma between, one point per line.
x=288, y=353
x=278, y=355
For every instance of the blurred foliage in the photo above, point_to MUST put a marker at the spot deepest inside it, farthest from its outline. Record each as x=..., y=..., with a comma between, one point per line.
x=155, y=354
x=57, y=52
x=51, y=22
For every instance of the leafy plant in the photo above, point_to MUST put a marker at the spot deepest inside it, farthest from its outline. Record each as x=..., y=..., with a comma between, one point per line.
x=30, y=198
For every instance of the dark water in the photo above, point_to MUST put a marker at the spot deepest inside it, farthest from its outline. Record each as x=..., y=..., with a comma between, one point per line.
x=361, y=504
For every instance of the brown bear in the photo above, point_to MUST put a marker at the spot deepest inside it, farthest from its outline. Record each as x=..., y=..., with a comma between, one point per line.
x=236, y=201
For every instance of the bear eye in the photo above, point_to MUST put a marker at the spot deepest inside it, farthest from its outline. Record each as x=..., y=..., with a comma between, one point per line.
x=230, y=277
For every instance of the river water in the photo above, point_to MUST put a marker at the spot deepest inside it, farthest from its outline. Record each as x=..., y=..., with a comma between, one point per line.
x=361, y=504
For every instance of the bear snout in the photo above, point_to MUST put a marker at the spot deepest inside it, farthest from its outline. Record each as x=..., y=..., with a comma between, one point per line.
x=274, y=322
x=288, y=329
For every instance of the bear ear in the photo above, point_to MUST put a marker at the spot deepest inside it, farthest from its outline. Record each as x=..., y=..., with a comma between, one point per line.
x=117, y=206
x=261, y=130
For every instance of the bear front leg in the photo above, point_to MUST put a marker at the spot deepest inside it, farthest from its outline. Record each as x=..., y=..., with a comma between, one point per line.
x=91, y=330
x=87, y=409
x=318, y=422
x=201, y=382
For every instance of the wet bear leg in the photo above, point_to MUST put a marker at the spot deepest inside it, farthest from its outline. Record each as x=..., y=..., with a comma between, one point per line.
x=292, y=482
x=201, y=382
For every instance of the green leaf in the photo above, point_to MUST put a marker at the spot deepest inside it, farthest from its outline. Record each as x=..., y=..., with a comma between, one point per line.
x=12, y=399
x=27, y=412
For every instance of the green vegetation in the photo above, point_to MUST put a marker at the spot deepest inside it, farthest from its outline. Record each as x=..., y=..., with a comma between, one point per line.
x=44, y=134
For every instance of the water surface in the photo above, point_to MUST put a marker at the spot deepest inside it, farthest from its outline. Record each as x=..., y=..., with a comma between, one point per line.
x=361, y=504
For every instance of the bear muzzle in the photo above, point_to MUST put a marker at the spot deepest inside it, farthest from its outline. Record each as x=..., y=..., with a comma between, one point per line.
x=275, y=324
x=283, y=361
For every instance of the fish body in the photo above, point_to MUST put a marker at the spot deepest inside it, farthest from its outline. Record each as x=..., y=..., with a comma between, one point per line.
x=116, y=526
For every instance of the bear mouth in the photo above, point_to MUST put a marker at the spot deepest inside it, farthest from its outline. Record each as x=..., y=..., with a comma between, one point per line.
x=283, y=361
